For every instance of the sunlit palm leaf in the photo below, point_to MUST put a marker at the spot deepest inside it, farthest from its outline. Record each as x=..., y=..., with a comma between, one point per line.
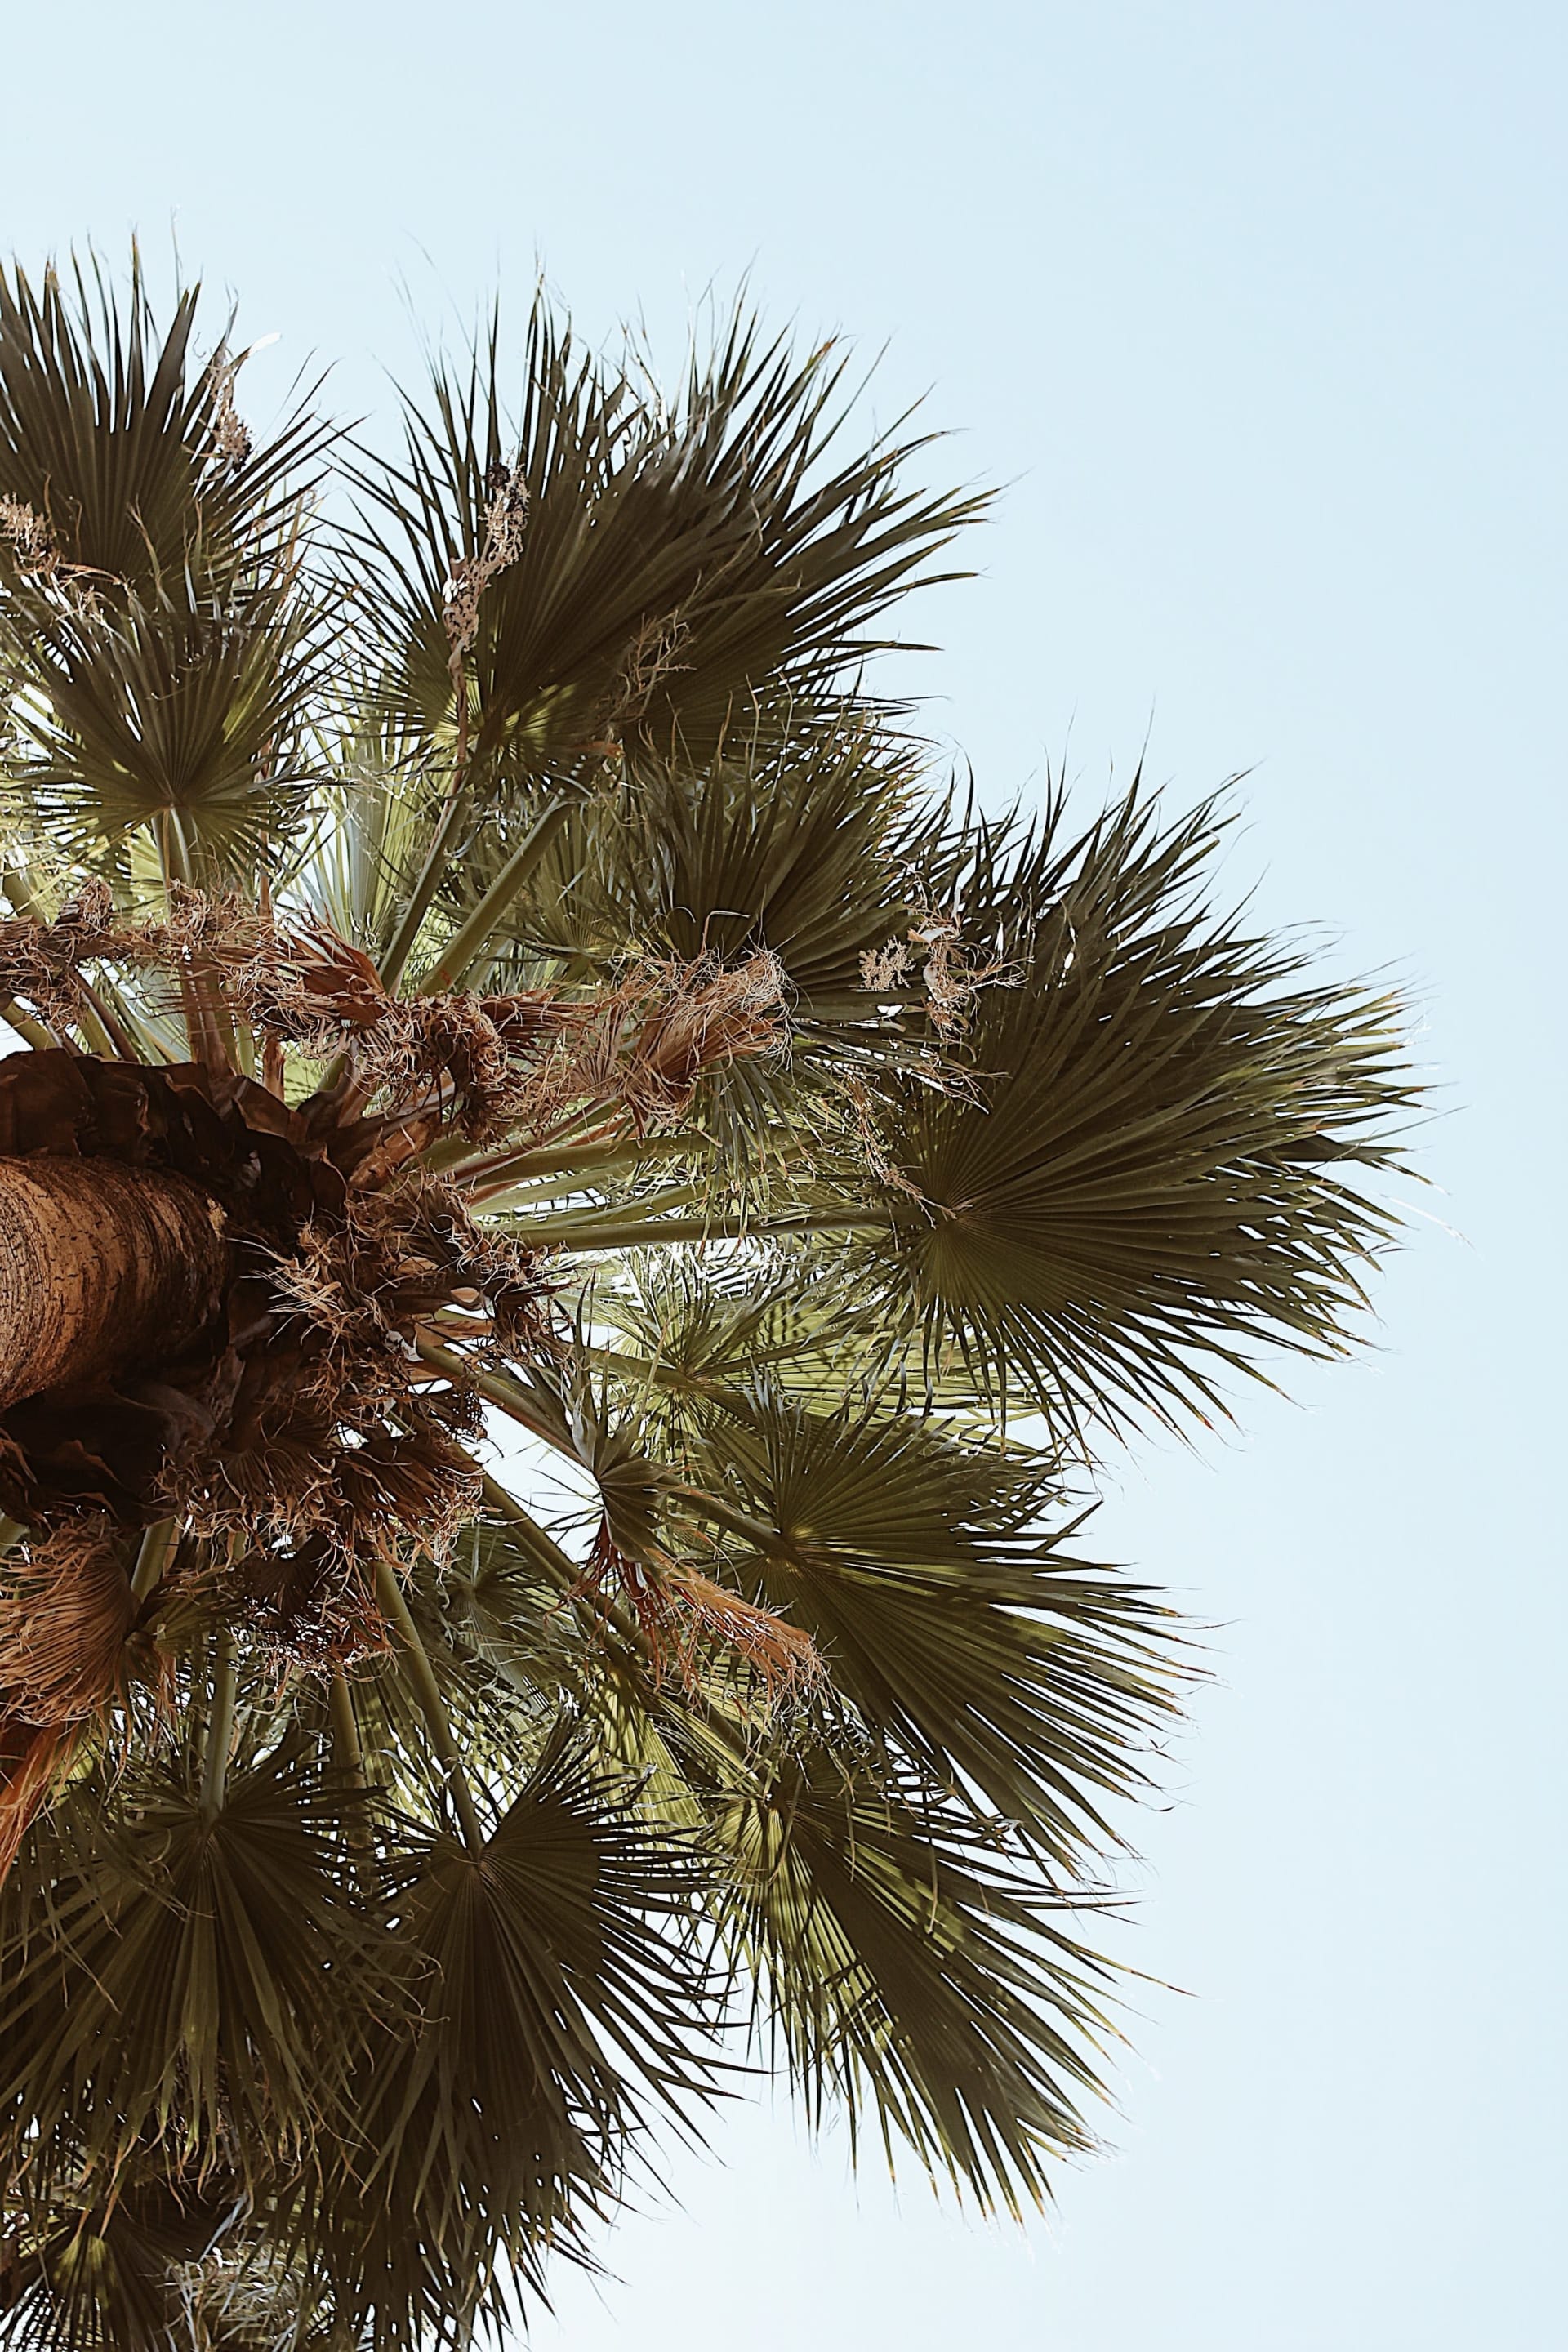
x=953, y=1624
x=1153, y=1171
x=171, y=713
x=911, y=1971
x=672, y=562
x=121, y=444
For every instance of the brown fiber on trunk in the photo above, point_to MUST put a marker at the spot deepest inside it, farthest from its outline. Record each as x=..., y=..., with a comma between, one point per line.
x=102, y=1267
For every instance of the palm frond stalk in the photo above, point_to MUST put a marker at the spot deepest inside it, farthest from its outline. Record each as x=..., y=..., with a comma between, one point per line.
x=493, y=987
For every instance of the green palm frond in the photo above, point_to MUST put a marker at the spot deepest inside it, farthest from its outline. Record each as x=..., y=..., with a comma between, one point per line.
x=108, y=2275
x=159, y=644
x=127, y=450
x=793, y=837
x=958, y=1630
x=178, y=716
x=190, y=1971
x=674, y=563
x=1151, y=1171
x=559, y=2003
x=911, y=1971
x=693, y=1333
x=362, y=857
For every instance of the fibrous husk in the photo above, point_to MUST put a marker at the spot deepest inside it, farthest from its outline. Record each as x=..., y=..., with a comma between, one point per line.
x=506, y=520
x=299, y=1427
x=311, y=1605
x=67, y=1616
x=645, y=1044
x=113, y=1446
x=487, y=1063
x=40, y=962
x=499, y=1061
x=66, y=1613
x=684, y=1617
x=34, y=1761
x=302, y=1414
x=952, y=976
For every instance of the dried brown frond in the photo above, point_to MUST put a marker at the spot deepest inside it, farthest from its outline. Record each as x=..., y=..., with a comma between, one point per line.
x=32, y=541
x=704, y=1016
x=645, y=1045
x=66, y=1614
x=200, y=922
x=38, y=558
x=952, y=976
x=314, y=1606
x=303, y=985
x=450, y=1043
x=506, y=520
x=887, y=968
x=501, y=1062
x=785, y=1657
x=307, y=1282
x=863, y=1113
x=471, y=1056
x=653, y=657
x=35, y=1759
x=231, y=435
x=308, y=1527
x=683, y=1616
x=41, y=962
x=340, y=1442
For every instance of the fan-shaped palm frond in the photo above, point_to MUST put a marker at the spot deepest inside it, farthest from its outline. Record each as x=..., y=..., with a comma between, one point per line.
x=127, y=453
x=112, y=2273
x=555, y=1999
x=670, y=564
x=956, y=1629
x=175, y=715
x=910, y=1970
x=193, y=1971
x=1151, y=1169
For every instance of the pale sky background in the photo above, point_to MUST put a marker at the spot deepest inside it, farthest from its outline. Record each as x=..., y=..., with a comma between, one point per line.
x=1258, y=308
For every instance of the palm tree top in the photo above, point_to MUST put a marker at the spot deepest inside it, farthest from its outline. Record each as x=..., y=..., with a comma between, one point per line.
x=495, y=984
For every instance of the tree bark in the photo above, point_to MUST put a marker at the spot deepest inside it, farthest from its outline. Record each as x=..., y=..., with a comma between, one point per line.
x=103, y=1266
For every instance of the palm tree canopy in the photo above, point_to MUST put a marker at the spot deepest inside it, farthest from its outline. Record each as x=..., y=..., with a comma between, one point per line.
x=478, y=898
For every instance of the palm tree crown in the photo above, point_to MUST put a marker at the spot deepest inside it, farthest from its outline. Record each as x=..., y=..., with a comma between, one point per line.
x=494, y=985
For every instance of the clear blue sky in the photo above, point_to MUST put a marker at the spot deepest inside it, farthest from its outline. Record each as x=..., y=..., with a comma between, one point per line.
x=1258, y=308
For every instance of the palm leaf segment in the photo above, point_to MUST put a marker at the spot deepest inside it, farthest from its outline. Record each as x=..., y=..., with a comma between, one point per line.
x=562, y=988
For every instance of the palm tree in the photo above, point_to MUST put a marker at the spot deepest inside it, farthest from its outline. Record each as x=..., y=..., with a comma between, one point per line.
x=496, y=987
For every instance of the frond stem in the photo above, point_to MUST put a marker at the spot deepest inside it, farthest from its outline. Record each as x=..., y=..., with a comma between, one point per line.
x=153, y=1558
x=496, y=1389
x=452, y=810
x=633, y=1233
x=724, y=1515
x=464, y=947
x=503, y=1170
x=116, y=1038
x=428, y=1691
x=32, y=1032
x=220, y=1726
x=581, y=1223
x=345, y=1730
x=561, y=1571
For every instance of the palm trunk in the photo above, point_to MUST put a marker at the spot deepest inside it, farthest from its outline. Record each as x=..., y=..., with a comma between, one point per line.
x=102, y=1267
